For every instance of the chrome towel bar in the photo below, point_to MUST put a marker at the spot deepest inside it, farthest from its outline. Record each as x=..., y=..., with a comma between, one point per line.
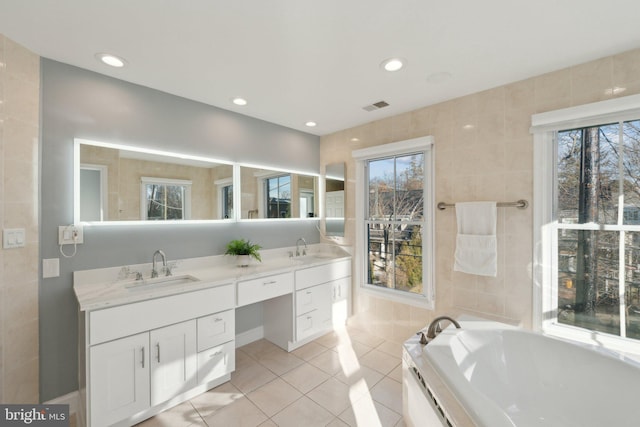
x=520, y=204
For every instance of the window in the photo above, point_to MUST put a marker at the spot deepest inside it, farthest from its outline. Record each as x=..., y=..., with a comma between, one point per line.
x=227, y=201
x=165, y=199
x=278, y=191
x=588, y=192
x=395, y=219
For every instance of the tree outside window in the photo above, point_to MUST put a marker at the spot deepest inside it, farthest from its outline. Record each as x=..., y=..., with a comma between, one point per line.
x=278, y=191
x=395, y=222
x=598, y=236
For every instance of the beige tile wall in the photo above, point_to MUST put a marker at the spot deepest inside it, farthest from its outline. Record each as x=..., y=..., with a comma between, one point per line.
x=483, y=152
x=19, y=130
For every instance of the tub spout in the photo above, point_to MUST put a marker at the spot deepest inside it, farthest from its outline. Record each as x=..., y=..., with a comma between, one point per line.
x=434, y=327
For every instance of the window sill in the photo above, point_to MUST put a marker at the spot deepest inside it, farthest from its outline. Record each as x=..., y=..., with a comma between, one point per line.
x=414, y=300
x=599, y=340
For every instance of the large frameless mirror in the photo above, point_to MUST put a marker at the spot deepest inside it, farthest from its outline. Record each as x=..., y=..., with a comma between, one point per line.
x=122, y=183
x=269, y=193
x=334, y=200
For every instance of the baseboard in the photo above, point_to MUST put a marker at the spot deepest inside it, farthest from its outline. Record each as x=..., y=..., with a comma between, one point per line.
x=73, y=400
x=249, y=336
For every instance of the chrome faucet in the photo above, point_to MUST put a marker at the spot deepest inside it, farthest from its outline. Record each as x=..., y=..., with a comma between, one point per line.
x=154, y=271
x=434, y=328
x=304, y=251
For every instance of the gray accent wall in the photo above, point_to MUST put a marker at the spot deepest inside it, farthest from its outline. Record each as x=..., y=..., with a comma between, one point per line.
x=81, y=104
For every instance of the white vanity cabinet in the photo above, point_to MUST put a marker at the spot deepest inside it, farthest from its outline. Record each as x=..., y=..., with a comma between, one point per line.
x=322, y=298
x=340, y=297
x=173, y=360
x=313, y=310
x=264, y=288
x=144, y=357
x=216, y=345
x=119, y=375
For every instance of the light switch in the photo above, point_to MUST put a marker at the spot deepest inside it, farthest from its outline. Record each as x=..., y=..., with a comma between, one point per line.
x=13, y=238
x=50, y=267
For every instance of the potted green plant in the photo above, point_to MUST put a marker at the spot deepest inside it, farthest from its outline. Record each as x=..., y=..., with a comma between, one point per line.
x=243, y=250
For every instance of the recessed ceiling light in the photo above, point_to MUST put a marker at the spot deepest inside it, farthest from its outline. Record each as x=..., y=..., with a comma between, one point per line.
x=111, y=60
x=239, y=101
x=311, y=124
x=355, y=139
x=392, y=64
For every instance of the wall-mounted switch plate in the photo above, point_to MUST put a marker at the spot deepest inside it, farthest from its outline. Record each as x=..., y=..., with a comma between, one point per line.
x=50, y=267
x=13, y=238
x=70, y=234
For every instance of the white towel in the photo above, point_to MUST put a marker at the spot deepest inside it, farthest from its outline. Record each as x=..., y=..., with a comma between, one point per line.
x=476, y=243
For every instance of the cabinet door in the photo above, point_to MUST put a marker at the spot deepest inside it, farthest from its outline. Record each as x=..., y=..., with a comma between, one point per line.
x=340, y=301
x=173, y=361
x=119, y=373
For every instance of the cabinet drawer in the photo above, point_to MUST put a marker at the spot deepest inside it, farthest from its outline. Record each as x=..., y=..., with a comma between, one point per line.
x=313, y=322
x=312, y=298
x=323, y=273
x=111, y=323
x=264, y=288
x=216, y=329
x=216, y=362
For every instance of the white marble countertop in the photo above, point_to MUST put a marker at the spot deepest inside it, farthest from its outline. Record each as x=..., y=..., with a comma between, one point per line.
x=108, y=287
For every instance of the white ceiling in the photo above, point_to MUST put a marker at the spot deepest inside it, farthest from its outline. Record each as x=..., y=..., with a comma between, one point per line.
x=301, y=60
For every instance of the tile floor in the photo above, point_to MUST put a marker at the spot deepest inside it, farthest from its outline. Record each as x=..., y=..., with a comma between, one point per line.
x=344, y=378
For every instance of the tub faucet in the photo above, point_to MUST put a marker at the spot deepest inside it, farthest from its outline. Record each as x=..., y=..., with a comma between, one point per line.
x=304, y=251
x=434, y=328
x=154, y=271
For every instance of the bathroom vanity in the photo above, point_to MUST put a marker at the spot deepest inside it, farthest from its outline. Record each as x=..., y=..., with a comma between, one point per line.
x=146, y=345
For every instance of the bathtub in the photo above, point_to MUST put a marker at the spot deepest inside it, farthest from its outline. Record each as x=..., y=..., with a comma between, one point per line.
x=504, y=376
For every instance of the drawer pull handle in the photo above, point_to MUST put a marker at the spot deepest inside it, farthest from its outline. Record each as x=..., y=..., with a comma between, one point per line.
x=142, y=357
x=217, y=353
x=309, y=292
x=158, y=347
x=269, y=283
x=218, y=319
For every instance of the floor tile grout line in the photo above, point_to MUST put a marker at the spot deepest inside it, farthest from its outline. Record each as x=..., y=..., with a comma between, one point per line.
x=264, y=348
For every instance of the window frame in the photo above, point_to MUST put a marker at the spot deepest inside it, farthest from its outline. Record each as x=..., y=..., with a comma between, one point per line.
x=545, y=225
x=423, y=145
x=221, y=186
x=266, y=202
x=186, y=202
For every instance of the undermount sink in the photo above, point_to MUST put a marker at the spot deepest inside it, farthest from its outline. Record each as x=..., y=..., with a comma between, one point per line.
x=320, y=255
x=283, y=262
x=162, y=281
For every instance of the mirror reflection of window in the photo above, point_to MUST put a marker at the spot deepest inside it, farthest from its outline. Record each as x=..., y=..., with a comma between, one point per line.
x=278, y=191
x=277, y=194
x=165, y=199
x=227, y=201
x=123, y=167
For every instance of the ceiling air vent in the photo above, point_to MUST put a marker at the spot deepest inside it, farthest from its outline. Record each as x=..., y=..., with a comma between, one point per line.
x=375, y=106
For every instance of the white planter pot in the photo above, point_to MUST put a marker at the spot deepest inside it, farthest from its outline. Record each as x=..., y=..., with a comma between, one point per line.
x=242, y=260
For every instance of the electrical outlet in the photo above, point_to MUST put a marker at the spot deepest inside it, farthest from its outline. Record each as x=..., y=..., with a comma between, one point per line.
x=70, y=234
